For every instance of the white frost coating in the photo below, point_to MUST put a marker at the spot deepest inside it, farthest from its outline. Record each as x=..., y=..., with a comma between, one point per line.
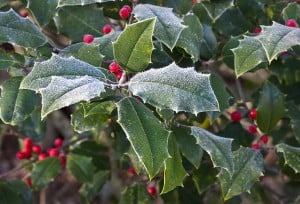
x=42, y=73
x=62, y=92
x=168, y=26
x=175, y=88
x=219, y=148
x=62, y=3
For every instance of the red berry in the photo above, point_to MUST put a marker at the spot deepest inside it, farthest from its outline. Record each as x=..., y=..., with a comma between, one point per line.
x=28, y=182
x=256, y=30
x=127, y=7
x=151, y=190
x=236, y=116
x=42, y=156
x=110, y=121
x=27, y=153
x=119, y=75
x=20, y=155
x=264, y=139
x=53, y=152
x=63, y=159
x=195, y=1
x=252, y=114
x=58, y=142
x=255, y=146
x=252, y=129
x=132, y=171
x=106, y=29
x=28, y=143
x=37, y=149
x=23, y=13
x=87, y=38
x=291, y=23
x=124, y=12
x=114, y=68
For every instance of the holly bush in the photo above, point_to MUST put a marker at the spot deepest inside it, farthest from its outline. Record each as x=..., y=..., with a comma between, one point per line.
x=152, y=101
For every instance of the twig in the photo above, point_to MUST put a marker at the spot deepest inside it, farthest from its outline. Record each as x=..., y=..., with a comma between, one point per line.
x=18, y=168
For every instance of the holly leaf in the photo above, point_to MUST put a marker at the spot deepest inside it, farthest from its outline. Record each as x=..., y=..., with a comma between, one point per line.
x=134, y=46
x=62, y=3
x=191, y=37
x=16, y=104
x=188, y=147
x=90, y=190
x=21, y=31
x=160, y=87
x=63, y=82
x=43, y=10
x=147, y=136
x=44, y=171
x=168, y=26
x=174, y=172
x=216, y=9
x=88, y=53
x=291, y=155
x=270, y=108
x=9, y=59
x=8, y=194
x=291, y=11
x=218, y=148
x=264, y=47
x=106, y=46
x=248, y=167
x=209, y=42
x=81, y=167
x=136, y=194
x=75, y=21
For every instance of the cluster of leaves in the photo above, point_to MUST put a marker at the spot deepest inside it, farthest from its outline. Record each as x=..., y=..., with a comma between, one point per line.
x=169, y=111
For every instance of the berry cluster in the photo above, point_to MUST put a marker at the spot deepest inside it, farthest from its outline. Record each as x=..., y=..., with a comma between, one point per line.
x=35, y=150
x=125, y=12
x=116, y=69
x=236, y=116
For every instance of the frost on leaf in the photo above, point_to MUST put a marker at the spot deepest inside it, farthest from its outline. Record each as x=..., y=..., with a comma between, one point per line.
x=160, y=88
x=248, y=167
x=291, y=155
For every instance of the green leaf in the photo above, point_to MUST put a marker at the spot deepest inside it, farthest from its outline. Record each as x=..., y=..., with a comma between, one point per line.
x=160, y=88
x=91, y=117
x=146, y=134
x=188, y=147
x=76, y=21
x=9, y=59
x=292, y=11
x=20, y=31
x=43, y=10
x=15, y=104
x=191, y=37
x=23, y=191
x=216, y=8
x=106, y=46
x=90, y=190
x=218, y=148
x=44, y=171
x=248, y=167
x=33, y=126
x=136, y=194
x=209, y=43
x=270, y=108
x=168, y=26
x=81, y=167
x=221, y=93
x=8, y=195
x=62, y=3
x=134, y=46
x=291, y=155
x=232, y=22
x=85, y=52
x=264, y=47
x=63, y=82
x=174, y=172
